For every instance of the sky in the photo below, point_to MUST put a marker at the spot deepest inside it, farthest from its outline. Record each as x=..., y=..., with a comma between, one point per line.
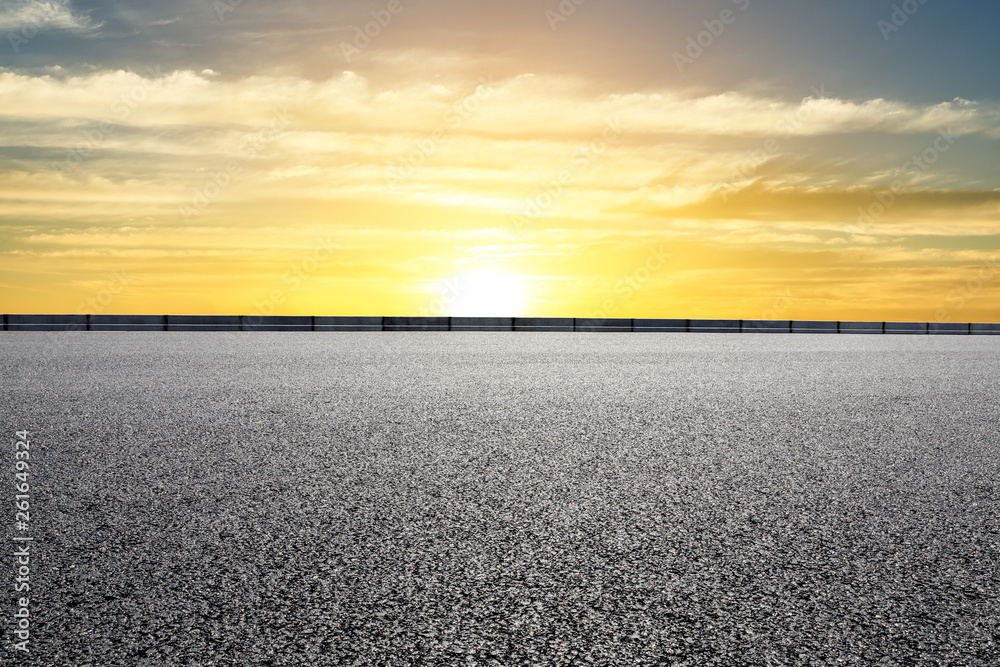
x=752, y=159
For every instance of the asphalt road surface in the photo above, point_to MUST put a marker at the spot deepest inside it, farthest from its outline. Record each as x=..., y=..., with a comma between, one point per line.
x=505, y=499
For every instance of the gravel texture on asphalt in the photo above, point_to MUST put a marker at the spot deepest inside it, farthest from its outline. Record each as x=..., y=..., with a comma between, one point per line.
x=507, y=498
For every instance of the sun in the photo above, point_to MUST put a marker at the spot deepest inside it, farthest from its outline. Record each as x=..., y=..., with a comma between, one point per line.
x=488, y=295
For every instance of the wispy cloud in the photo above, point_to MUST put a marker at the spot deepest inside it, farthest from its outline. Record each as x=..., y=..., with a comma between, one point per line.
x=522, y=106
x=19, y=16
x=676, y=155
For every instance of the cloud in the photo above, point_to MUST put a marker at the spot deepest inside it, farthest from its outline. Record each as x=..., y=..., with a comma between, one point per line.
x=148, y=142
x=836, y=208
x=535, y=107
x=29, y=16
x=460, y=141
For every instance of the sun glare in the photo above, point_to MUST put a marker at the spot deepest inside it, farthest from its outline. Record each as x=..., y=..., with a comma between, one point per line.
x=489, y=295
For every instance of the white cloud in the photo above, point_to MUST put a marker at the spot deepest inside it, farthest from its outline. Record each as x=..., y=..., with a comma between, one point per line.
x=539, y=107
x=349, y=137
x=26, y=17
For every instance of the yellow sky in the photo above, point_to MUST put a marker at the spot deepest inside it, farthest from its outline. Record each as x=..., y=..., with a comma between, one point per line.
x=468, y=193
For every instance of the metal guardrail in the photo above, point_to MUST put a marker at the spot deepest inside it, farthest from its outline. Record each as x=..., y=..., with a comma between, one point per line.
x=580, y=324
